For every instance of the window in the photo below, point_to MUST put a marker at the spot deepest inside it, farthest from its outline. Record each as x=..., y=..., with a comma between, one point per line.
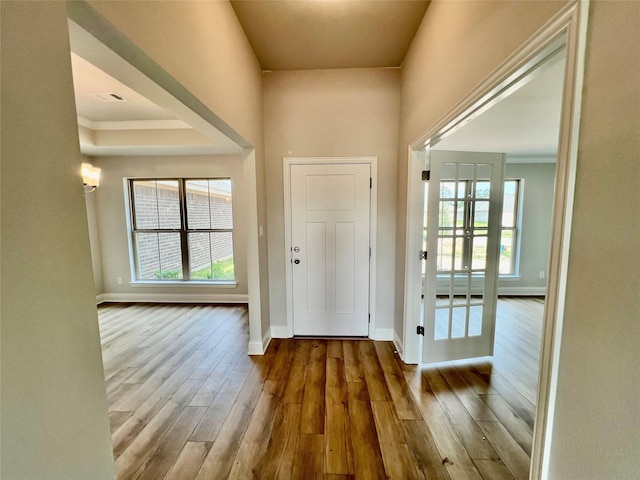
x=464, y=255
x=509, y=231
x=182, y=229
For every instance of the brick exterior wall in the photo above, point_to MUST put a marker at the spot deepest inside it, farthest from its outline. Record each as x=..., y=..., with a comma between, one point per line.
x=160, y=208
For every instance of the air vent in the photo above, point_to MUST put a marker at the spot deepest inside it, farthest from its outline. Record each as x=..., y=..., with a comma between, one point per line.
x=109, y=97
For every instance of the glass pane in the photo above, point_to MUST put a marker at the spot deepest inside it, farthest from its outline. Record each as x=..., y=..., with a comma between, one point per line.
x=475, y=321
x=461, y=296
x=445, y=254
x=442, y=300
x=482, y=189
x=477, y=287
x=168, y=204
x=156, y=204
x=148, y=255
x=509, y=203
x=458, y=254
x=447, y=189
x=465, y=171
x=446, y=213
x=441, y=330
x=483, y=171
x=209, y=204
x=449, y=172
x=159, y=256
x=170, y=256
x=198, y=214
x=481, y=214
x=460, y=214
x=459, y=320
x=479, y=253
x=221, y=208
x=506, y=251
x=145, y=204
x=462, y=189
x=211, y=256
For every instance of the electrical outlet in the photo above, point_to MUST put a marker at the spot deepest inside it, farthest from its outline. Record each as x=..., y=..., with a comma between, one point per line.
x=541, y=273
x=119, y=280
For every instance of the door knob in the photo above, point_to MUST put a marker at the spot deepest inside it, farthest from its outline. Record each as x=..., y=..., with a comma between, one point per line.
x=296, y=261
x=296, y=249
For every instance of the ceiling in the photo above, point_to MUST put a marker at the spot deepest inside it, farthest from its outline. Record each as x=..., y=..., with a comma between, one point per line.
x=116, y=120
x=295, y=34
x=320, y=34
x=525, y=125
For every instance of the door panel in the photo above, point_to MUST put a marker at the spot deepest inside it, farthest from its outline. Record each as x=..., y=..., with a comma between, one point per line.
x=330, y=249
x=463, y=234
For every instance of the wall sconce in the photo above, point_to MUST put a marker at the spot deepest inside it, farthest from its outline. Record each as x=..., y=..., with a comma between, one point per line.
x=90, y=177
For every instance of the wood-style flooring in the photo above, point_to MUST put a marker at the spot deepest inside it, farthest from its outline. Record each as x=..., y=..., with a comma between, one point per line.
x=187, y=402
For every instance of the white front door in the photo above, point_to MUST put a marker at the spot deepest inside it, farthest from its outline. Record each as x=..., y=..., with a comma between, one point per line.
x=330, y=206
x=463, y=235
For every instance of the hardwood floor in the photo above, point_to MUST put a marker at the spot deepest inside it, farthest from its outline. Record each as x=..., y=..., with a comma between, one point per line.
x=187, y=402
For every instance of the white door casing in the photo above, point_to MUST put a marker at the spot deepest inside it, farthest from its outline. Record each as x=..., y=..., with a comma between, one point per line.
x=329, y=249
x=463, y=236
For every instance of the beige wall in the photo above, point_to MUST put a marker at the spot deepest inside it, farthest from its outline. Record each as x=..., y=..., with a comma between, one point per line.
x=329, y=113
x=112, y=217
x=54, y=410
x=203, y=47
x=596, y=418
x=94, y=240
x=595, y=434
x=535, y=235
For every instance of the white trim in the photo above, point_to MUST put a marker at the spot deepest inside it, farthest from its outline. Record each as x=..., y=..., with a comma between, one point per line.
x=373, y=229
x=384, y=334
x=522, y=291
x=187, y=284
x=413, y=266
x=173, y=298
x=572, y=20
x=259, y=348
x=397, y=342
x=133, y=124
x=100, y=299
x=280, y=331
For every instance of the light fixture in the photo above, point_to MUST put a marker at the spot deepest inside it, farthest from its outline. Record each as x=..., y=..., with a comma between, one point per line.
x=90, y=177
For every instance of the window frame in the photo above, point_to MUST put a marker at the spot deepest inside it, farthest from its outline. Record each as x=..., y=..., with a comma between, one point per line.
x=515, y=229
x=466, y=258
x=184, y=232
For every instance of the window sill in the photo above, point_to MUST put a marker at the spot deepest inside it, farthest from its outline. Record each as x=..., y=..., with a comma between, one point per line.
x=509, y=278
x=190, y=284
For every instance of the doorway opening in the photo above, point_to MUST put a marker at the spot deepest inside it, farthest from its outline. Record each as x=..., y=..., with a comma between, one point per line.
x=559, y=44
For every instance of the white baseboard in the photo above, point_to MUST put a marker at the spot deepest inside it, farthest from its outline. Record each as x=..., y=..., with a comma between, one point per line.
x=100, y=299
x=279, y=331
x=523, y=291
x=397, y=341
x=256, y=348
x=383, y=334
x=259, y=348
x=172, y=298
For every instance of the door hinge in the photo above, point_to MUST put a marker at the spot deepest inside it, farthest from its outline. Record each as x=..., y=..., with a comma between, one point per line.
x=369, y=318
x=369, y=252
x=426, y=175
x=370, y=182
x=420, y=330
x=422, y=255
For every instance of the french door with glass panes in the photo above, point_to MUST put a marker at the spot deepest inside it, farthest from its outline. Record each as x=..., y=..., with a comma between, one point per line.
x=464, y=203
